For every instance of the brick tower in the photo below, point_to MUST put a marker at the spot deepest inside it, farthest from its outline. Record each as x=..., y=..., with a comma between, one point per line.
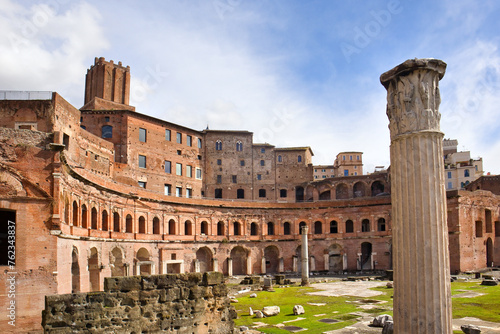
x=107, y=86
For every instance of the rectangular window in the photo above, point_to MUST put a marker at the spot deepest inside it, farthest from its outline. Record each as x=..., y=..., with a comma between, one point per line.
x=167, y=189
x=262, y=192
x=357, y=157
x=142, y=161
x=262, y=150
x=178, y=191
x=189, y=171
x=218, y=194
x=235, y=179
x=283, y=193
x=106, y=119
x=198, y=173
x=350, y=157
x=189, y=140
x=219, y=179
x=189, y=193
x=450, y=185
x=262, y=163
x=168, y=167
x=167, y=134
x=259, y=176
x=142, y=184
x=346, y=172
x=178, y=169
x=242, y=163
x=199, y=142
x=449, y=175
x=219, y=162
x=179, y=138
x=323, y=170
x=142, y=135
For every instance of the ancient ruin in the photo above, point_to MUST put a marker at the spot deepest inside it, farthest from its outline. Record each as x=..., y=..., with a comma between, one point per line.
x=106, y=191
x=173, y=303
x=422, y=294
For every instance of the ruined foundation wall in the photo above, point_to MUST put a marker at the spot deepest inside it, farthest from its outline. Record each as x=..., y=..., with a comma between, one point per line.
x=183, y=303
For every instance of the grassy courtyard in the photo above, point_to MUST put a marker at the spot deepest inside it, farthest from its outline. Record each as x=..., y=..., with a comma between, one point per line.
x=347, y=310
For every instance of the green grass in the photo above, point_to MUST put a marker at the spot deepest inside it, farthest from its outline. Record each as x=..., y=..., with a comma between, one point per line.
x=486, y=307
x=338, y=308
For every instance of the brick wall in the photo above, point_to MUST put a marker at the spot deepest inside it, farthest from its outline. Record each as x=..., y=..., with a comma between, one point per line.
x=184, y=303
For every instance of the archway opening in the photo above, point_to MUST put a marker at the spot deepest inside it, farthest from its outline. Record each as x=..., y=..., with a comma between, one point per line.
x=204, y=257
x=271, y=253
x=75, y=272
x=239, y=259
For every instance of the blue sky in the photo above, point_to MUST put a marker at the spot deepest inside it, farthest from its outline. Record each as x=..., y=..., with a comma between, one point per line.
x=295, y=73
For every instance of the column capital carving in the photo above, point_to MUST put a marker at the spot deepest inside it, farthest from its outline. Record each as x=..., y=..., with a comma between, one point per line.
x=413, y=100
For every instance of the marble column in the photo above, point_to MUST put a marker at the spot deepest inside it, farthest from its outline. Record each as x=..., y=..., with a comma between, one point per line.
x=422, y=297
x=305, y=257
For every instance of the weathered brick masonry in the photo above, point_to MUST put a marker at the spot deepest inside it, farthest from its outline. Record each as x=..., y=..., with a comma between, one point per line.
x=134, y=195
x=182, y=303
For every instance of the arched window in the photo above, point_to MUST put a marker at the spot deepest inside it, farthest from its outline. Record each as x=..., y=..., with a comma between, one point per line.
x=75, y=213
x=280, y=158
x=104, y=221
x=116, y=222
x=171, y=227
x=318, y=228
x=84, y=216
x=270, y=228
x=334, y=227
x=365, y=225
x=107, y=131
x=253, y=229
x=156, y=225
x=188, y=228
x=286, y=228
x=93, y=219
x=220, y=228
x=218, y=145
x=302, y=224
x=239, y=146
x=381, y=225
x=236, y=228
x=299, y=158
x=349, y=226
x=128, y=224
x=204, y=228
x=142, y=224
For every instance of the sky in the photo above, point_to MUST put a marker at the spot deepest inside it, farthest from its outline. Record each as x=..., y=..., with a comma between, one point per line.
x=295, y=73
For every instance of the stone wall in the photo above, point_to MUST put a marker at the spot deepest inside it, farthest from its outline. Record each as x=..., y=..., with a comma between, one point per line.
x=183, y=303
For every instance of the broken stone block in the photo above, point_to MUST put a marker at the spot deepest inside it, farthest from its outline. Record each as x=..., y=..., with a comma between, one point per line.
x=298, y=309
x=470, y=329
x=388, y=328
x=253, y=295
x=489, y=282
x=390, y=285
x=271, y=310
x=259, y=314
x=379, y=321
x=250, y=311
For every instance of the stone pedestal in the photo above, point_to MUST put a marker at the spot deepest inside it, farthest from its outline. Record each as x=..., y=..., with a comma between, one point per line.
x=422, y=297
x=305, y=257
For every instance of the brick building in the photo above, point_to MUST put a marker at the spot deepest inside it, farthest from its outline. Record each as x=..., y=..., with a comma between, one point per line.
x=106, y=191
x=346, y=164
x=460, y=168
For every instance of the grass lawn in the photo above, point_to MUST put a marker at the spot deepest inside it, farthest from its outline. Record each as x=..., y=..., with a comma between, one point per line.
x=486, y=307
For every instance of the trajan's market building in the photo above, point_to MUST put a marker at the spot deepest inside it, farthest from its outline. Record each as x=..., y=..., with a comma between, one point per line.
x=106, y=191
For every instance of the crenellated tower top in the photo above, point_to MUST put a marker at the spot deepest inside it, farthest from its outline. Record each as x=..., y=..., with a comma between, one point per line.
x=107, y=81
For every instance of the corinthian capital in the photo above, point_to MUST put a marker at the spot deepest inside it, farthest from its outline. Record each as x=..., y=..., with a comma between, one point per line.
x=413, y=96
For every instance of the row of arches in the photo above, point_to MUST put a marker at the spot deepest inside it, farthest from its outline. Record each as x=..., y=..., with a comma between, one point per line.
x=340, y=190
x=107, y=222
x=238, y=262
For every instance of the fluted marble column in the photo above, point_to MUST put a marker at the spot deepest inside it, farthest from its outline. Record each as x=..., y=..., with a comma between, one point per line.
x=422, y=297
x=305, y=257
